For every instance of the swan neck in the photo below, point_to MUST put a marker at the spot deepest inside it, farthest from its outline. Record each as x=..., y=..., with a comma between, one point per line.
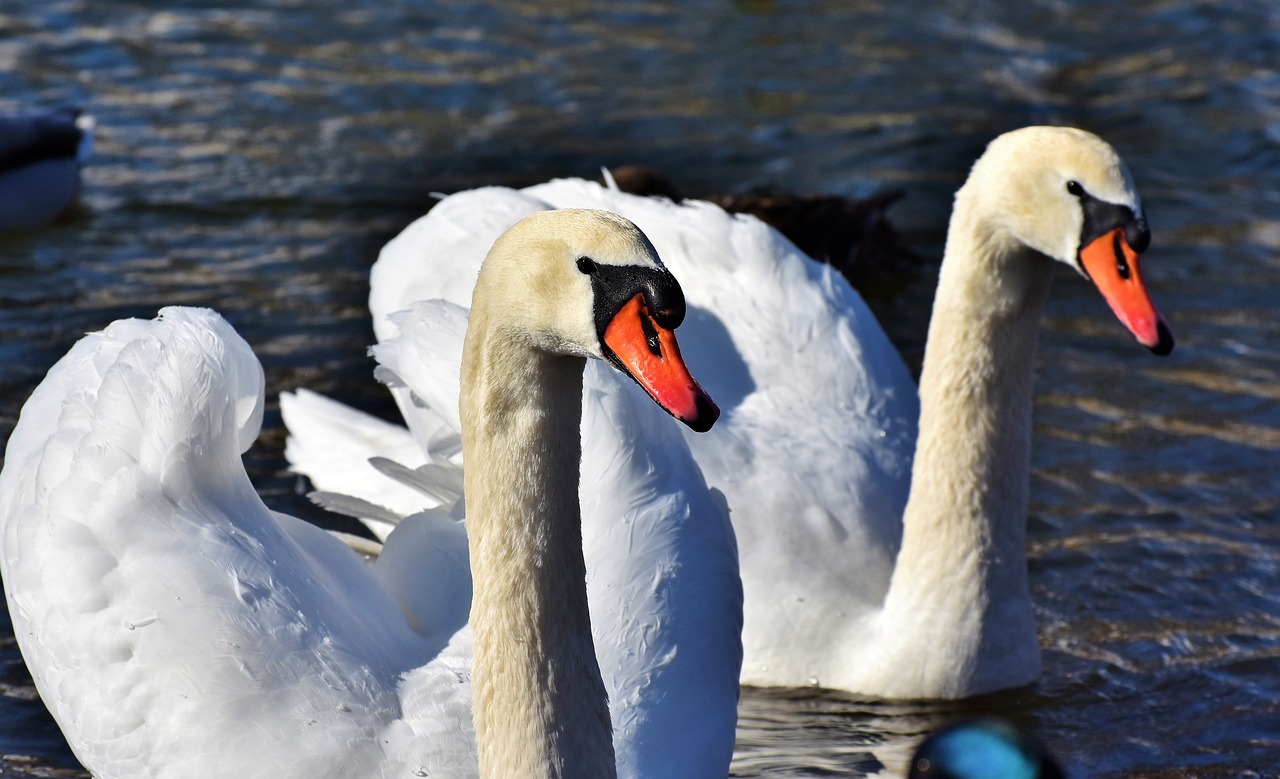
x=962, y=564
x=540, y=705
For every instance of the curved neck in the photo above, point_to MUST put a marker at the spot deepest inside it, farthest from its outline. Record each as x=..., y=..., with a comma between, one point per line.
x=539, y=703
x=961, y=573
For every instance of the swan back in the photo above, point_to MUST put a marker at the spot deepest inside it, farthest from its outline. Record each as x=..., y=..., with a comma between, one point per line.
x=439, y=255
x=820, y=414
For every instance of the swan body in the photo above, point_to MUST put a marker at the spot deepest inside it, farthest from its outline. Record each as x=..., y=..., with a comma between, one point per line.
x=177, y=627
x=881, y=532
x=41, y=153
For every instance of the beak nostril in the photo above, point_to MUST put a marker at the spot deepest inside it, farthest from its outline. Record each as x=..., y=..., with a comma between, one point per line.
x=651, y=336
x=1122, y=262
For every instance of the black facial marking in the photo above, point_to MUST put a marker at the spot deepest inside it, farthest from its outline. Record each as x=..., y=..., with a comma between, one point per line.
x=1101, y=217
x=613, y=285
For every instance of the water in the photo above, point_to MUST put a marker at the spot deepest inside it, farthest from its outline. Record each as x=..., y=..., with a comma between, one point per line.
x=254, y=156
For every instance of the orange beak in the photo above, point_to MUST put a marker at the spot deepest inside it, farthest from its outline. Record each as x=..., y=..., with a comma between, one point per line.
x=1113, y=266
x=649, y=353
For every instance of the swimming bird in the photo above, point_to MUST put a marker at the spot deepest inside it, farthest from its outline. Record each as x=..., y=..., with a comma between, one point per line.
x=41, y=153
x=881, y=532
x=983, y=749
x=175, y=626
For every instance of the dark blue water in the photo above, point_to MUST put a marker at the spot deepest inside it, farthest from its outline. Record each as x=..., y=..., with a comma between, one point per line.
x=254, y=156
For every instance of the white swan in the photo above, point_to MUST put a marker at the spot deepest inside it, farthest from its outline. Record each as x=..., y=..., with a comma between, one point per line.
x=815, y=449
x=665, y=595
x=41, y=152
x=176, y=627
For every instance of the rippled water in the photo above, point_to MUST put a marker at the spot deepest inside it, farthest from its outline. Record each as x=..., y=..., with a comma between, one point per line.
x=254, y=156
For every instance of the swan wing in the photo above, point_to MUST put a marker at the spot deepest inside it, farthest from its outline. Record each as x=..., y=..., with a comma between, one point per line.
x=437, y=737
x=421, y=364
x=439, y=255
x=170, y=621
x=347, y=453
x=332, y=444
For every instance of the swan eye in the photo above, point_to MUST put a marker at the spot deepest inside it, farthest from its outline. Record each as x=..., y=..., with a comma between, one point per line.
x=1074, y=188
x=587, y=265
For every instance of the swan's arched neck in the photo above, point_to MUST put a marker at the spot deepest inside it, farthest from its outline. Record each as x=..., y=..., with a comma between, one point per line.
x=539, y=704
x=960, y=583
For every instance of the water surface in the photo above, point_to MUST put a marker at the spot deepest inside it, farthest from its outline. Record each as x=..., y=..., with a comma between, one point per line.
x=253, y=156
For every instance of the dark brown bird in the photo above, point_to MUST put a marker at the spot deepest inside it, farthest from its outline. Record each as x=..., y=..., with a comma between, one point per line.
x=851, y=234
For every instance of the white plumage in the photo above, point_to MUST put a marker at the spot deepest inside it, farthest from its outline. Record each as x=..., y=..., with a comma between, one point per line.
x=163, y=611
x=662, y=577
x=177, y=627
x=815, y=448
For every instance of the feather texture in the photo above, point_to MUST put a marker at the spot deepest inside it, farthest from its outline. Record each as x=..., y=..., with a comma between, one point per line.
x=844, y=585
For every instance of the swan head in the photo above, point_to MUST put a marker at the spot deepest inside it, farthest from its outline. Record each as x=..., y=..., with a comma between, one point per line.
x=588, y=283
x=1066, y=194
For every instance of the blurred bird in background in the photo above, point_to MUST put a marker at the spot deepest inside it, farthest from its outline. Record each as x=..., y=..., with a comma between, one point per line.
x=982, y=749
x=41, y=152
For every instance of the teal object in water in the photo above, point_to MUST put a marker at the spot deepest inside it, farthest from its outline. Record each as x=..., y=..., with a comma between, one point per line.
x=987, y=749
